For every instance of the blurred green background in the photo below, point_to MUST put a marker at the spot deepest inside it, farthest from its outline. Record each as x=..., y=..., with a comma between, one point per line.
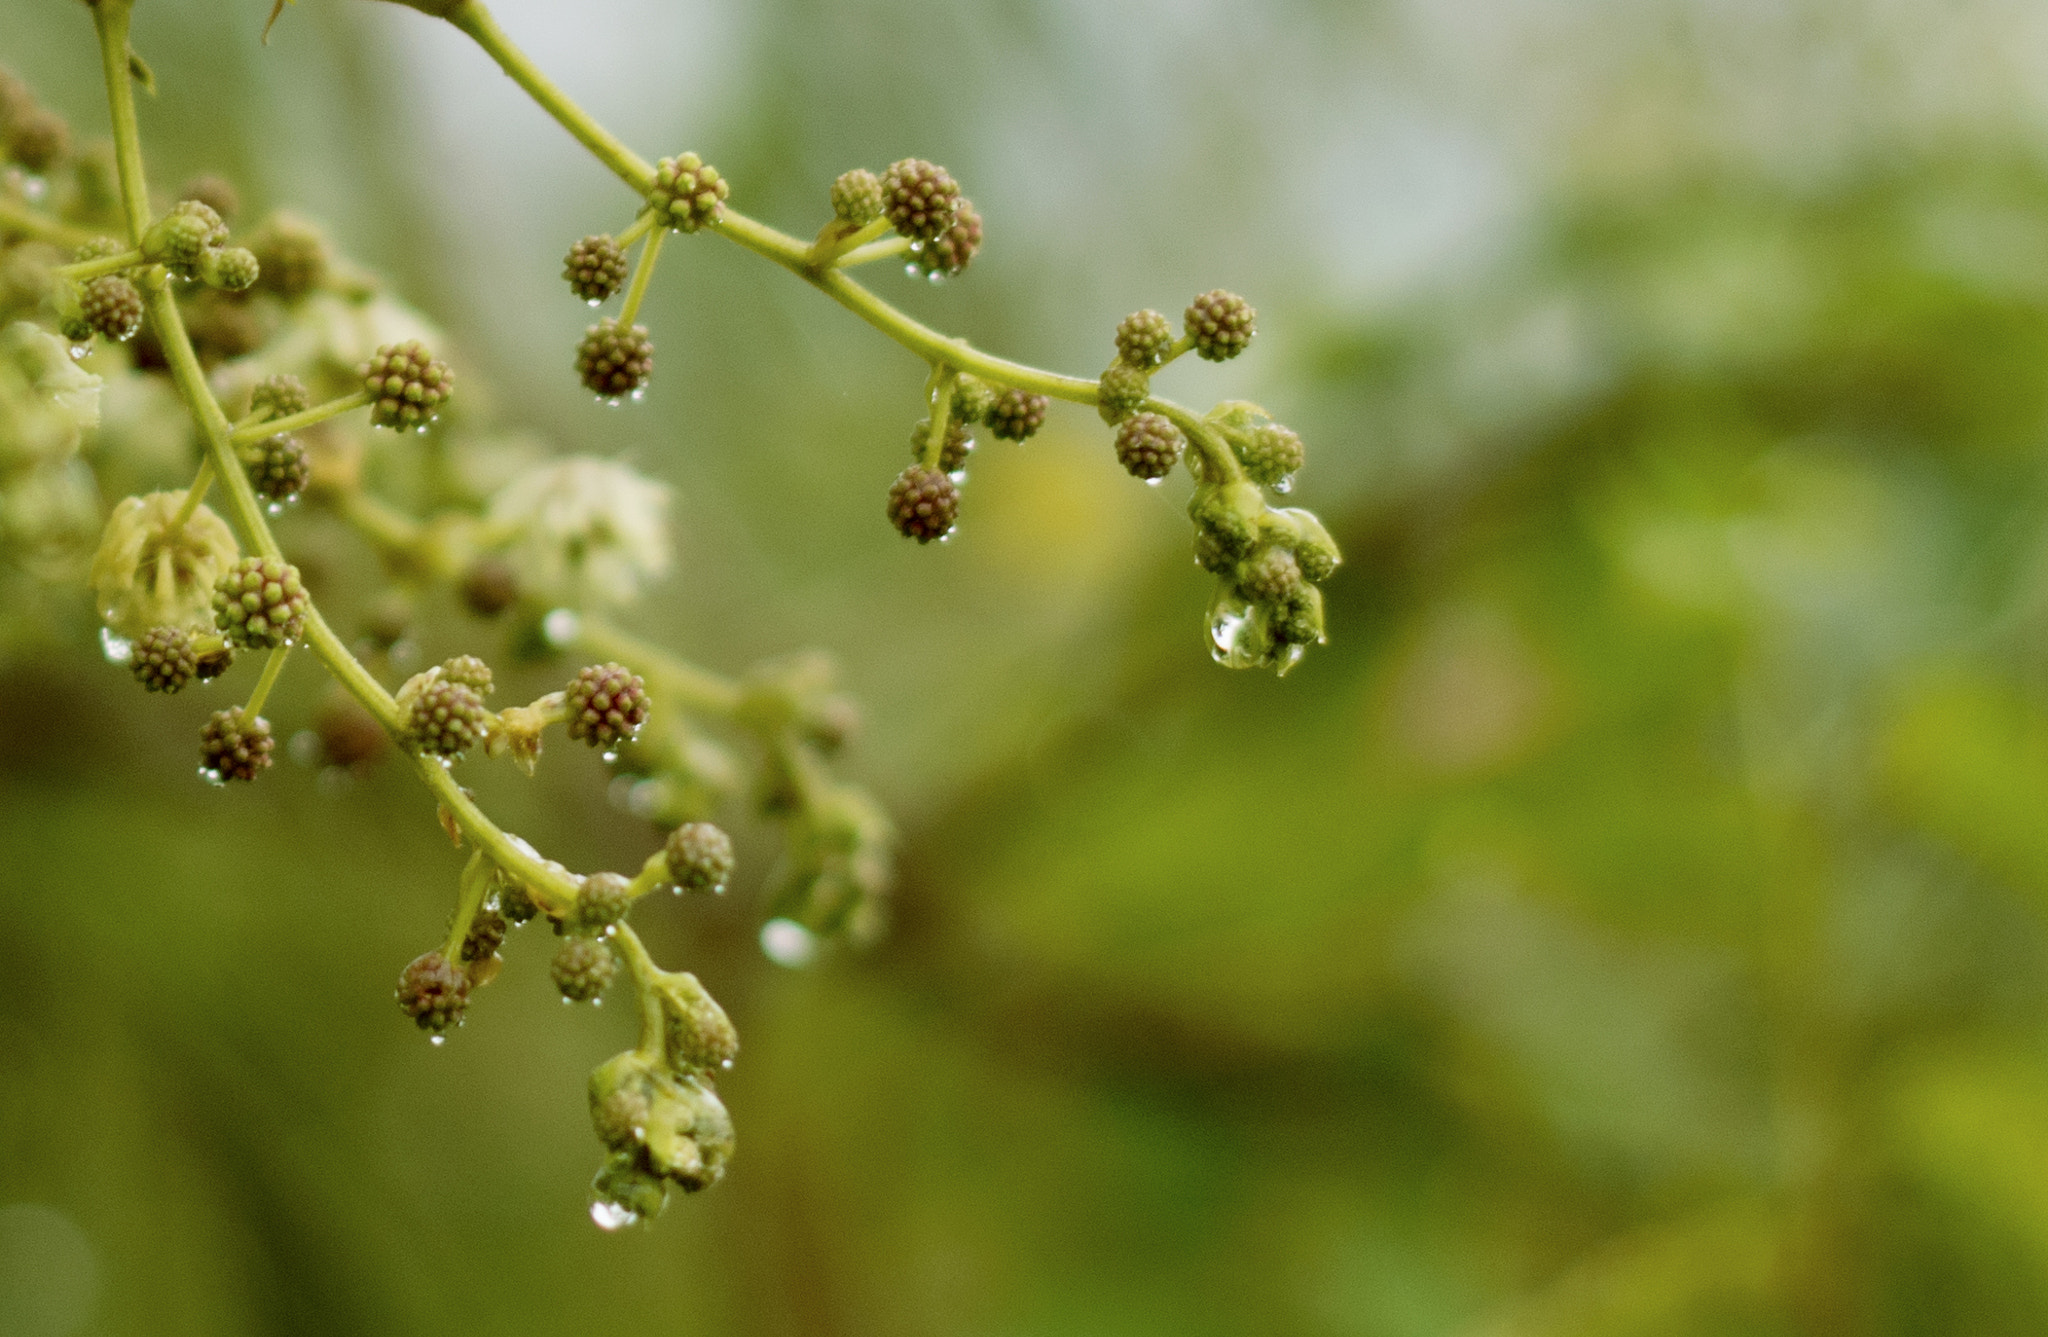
x=1635, y=921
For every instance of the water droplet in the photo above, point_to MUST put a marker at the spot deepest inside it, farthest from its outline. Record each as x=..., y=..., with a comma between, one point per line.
x=935, y=278
x=912, y=270
x=274, y=508
x=1154, y=482
x=725, y=1063
x=213, y=777
x=610, y=755
x=437, y=1040
x=788, y=943
x=958, y=476
x=645, y=799
x=599, y=1002
x=639, y=393
x=1284, y=485
x=34, y=186
x=947, y=537
x=611, y=1216
x=593, y=301
x=1289, y=656
x=79, y=352
x=561, y=626
x=117, y=649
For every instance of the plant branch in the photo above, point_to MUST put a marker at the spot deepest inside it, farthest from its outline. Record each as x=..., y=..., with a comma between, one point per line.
x=17, y=217
x=250, y=433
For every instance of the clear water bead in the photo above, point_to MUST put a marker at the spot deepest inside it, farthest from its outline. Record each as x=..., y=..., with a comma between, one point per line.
x=788, y=943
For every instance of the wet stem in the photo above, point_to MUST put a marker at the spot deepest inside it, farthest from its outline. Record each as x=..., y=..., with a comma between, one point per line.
x=551, y=887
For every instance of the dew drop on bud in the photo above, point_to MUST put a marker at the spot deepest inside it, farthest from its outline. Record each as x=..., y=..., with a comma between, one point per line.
x=437, y=1040
x=611, y=1216
x=561, y=626
x=1285, y=485
x=1154, y=482
x=788, y=943
x=117, y=649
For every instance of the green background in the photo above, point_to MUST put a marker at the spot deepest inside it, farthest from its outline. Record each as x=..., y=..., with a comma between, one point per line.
x=1631, y=923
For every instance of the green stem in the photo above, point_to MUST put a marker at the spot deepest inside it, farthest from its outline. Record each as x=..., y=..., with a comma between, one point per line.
x=350, y=673
x=18, y=217
x=643, y=274
x=110, y=18
x=271, y=668
x=877, y=250
x=106, y=264
x=554, y=888
x=637, y=230
x=476, y=880
x=831, y=243
x=652, y=874
x=249, y=434
x=1219, y=461
x=644, y=972
x=689, y=686
x=473, y=18
x=195, y=494
x=942, y=414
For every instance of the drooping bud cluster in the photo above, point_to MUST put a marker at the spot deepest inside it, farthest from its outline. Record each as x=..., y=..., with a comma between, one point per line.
x=607, y=704
x=595, y=267
x=1148, y=445
x=434, y=991
x=920, y=198
x=1221, y=325
x=293, y=254
x=1143, y=339
x=949, y=252
x=111, y=306
x=277, y=468
x=923, y=503
x=857, y=198
x=279, y=396
x=699, y=856
x=615, y=360
x=582, y=968
x=601, y=901
x=235, y=745
x=1016, y=415
x=688, y=192
x=162, y=659
x=407, y=385
x=1267, y=608
x=260, y=604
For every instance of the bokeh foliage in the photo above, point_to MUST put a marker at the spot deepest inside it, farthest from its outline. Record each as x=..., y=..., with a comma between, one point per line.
x=1636, y=923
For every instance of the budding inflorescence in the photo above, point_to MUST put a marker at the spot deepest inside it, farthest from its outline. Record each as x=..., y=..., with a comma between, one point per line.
x=260, y=603
x=615, y=360
x=688, y=192
x=406, y=384
x=595, y=267
x=607, y=704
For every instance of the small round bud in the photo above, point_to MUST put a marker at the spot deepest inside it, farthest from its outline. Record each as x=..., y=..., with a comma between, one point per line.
x=407, y=385
x=38, y=139
x=446, y=719
x=595, y=267
x=1121, y=392
x=857, y=198
x=490, y=587
x=279, y=470
x=1017, y=414
x=1299, y=619
x=279, y=396
x=1268, y=452
x=923, y=503
x=486, y=935
x=470, y=671
x=950, y=251
x=515, y=903
x=294, y=256
x=183, y=235
x=1143, y=338
x=920, y=198
x=99, y=248
x=602, y=901
x=582, y=968
x=259, y=603
x=1210, y=555
x=162, y=659
x=235, y=745
x=615, y=360
x=229, y=268
x=972, y=398
x=111, y=306
x=688, y=192
x=1221, y=324
x=1229, y=514
x=433, y=991
x=697, y=1036
x=607, y=704
x=1269, y=576
x=1148, y=445
x=214, y=191
x=952, y=453
x=699, y=857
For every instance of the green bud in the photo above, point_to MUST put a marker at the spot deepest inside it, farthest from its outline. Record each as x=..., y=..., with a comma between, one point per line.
x=697, y=1035
x=1229, y=513
x=232, y=268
